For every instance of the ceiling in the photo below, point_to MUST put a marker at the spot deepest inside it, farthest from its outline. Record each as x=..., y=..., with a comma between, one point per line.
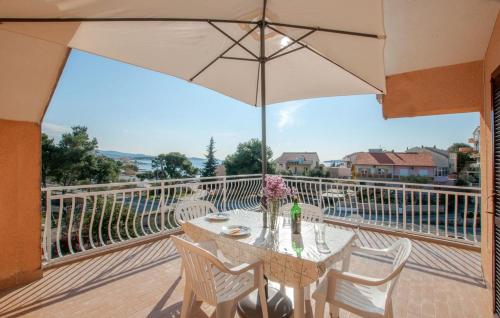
x=430, y=33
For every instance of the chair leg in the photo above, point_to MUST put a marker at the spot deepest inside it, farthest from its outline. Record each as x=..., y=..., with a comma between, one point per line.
x=334, y=311
x=187, y=302
x=319, y=310
x=182, y=268
x=225, y=310
x=389, y=311
x=263, y=299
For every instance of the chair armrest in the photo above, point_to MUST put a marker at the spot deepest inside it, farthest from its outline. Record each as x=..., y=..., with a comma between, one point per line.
x=245, y=267
x=372, y=251
x=357, y=279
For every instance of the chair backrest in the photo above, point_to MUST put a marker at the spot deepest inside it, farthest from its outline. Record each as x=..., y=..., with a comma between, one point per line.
x=310, y=213
x=189, y=210
x=402, y=249
x=200, y=268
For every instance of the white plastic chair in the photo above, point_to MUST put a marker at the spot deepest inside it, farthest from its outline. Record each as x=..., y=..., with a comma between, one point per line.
x=310, y=213
x=210, y=280
x=189, y=210
x=364, y=296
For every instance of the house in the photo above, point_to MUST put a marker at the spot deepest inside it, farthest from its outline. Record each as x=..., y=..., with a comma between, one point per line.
x=392, y=165
x=441, y=158
x=297, y=163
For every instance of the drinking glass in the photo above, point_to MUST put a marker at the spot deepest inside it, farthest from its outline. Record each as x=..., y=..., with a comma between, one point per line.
x=319, y=232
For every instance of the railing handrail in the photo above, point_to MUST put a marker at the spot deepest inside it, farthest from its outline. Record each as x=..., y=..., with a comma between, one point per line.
x=149, y=182
x=221, y=178
x=425, y=185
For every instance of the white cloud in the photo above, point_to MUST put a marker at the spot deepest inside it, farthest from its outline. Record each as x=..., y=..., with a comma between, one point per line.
x=54, y=130
x=286, y=115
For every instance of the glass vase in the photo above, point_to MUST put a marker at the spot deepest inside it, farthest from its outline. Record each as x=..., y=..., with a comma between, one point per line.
x=274, y=206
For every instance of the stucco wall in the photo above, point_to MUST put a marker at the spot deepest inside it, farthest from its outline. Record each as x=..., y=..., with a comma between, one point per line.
x=491, y=63
x=441, y=90
x=20, y=157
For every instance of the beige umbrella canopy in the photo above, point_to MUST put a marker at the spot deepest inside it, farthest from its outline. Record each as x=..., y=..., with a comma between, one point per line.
x=258, y=52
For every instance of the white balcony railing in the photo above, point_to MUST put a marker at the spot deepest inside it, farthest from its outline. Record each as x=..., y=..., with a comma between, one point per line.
x=89, y=218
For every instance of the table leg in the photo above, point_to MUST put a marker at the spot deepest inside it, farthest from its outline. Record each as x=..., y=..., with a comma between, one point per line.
x=298, y=302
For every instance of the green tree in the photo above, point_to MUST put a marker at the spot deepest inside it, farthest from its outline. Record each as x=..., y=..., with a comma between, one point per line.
x=49, y=155
x=74, y=161
x=455, y=146
x=318, y=172
x=173, y=165
x=105, y=170
x=75, y=157
x=247, y=159
x=210, y=165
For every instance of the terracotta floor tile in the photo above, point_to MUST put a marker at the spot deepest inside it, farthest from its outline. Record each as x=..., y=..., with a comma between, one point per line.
x=143, y=281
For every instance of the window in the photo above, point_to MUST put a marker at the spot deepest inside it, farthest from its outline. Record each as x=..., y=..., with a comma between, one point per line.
x=403, y=172
x=423, y=172
x=442, y=172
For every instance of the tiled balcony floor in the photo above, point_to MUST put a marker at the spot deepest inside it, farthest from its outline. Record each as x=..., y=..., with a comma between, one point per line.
x=143, y=281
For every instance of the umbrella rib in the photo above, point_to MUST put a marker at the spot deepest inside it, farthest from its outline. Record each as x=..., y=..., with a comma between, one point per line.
x=292, y=43
x=231, y=38
x=296, y=26
x=329, y=60
x=125, y=19
x=222, y=54
x=238, y=58
x=288, y=52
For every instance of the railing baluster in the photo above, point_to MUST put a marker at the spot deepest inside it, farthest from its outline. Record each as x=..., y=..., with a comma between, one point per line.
x=429, y=201
x=437, y=213
x=446, y=214
x=476, y=204
x=456, y=216
x=91, y=238
x=59, y=228
x=103, y=212
x=119, y=219
x=48, y=226
x=412, y=210
x=70, y=226
x=466, y=207
x=420, y=210
x=404, y=207
x=80, y=226
x=110, y=221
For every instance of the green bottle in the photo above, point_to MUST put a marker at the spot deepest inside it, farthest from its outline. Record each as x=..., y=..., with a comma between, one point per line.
x=296, y=215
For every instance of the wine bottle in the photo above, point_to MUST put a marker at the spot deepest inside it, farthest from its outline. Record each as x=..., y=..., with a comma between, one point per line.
x=296, y=215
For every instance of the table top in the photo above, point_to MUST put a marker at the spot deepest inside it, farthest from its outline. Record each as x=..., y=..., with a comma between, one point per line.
x=281, y=241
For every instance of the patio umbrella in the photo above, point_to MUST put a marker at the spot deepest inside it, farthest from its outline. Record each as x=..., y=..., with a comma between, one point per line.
x=258, y=52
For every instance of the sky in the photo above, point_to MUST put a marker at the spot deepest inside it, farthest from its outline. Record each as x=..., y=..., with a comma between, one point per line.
x=135, y=110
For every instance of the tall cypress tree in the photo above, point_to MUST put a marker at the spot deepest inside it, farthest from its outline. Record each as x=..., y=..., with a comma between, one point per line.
x=211, y=164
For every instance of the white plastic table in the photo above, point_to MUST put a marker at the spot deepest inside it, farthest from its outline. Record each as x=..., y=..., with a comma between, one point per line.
x=281, y=253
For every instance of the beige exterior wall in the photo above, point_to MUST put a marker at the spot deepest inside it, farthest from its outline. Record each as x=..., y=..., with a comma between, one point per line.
x=491, y=63
x=31, y=61
x=19, y=203
x=441, y=90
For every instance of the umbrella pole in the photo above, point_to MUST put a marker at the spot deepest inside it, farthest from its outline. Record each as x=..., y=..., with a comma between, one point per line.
x=262, y=62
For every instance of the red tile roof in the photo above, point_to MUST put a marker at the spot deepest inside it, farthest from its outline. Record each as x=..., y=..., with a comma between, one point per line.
x=415, y=159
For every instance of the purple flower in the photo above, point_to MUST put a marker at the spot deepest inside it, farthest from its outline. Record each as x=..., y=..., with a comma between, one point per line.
x=276, y=188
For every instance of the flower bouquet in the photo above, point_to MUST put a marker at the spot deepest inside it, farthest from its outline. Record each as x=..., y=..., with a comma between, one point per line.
x=275, y=191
